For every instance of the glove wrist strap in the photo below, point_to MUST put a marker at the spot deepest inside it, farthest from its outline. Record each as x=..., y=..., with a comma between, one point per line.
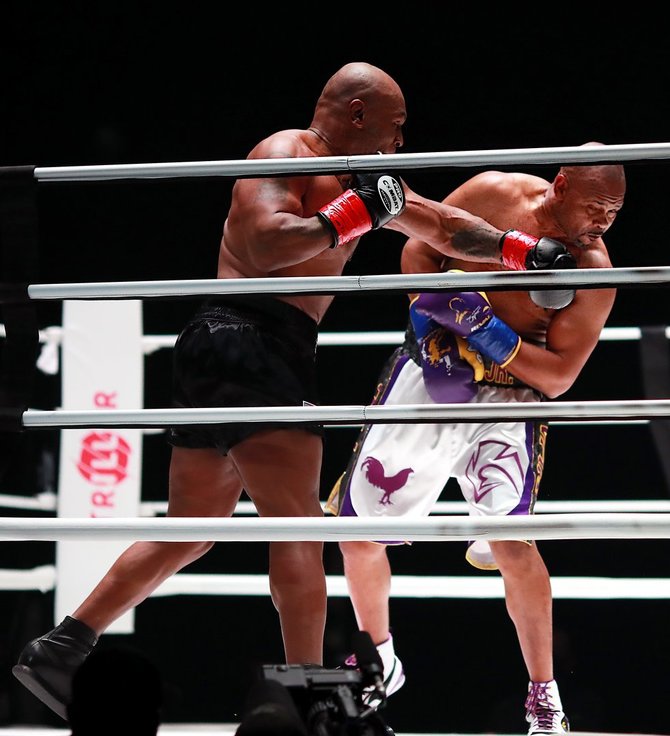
x=515, y=247
x=347, y=216
x=497, y=341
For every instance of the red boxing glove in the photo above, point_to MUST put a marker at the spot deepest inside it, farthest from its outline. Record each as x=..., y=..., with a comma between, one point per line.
x=376, y=199
x=523, y=252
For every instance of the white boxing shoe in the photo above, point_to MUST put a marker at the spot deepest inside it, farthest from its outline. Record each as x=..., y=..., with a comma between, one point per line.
x=544, y=710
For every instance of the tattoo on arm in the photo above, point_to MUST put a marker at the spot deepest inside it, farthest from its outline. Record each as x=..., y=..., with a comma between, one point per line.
x=478, y=242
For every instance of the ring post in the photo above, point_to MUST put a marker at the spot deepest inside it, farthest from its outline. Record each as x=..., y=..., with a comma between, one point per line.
x=100, y=469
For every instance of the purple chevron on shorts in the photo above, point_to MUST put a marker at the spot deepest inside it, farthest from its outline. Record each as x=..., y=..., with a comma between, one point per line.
x=493, y=464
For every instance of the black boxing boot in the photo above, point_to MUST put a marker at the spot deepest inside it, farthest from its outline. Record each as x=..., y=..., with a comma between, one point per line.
x=47, y=664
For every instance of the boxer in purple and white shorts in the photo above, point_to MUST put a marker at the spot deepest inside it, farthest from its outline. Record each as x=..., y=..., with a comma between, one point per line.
x=507, y=346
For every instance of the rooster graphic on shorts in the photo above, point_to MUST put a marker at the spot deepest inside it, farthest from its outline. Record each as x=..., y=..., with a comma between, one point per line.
x=374, y=472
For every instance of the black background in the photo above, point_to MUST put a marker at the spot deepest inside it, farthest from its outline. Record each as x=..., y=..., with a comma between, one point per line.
x=148, y=82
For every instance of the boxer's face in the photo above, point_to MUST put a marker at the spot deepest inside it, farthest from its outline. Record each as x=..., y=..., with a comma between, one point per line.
x=589, y=210
x=384, y=120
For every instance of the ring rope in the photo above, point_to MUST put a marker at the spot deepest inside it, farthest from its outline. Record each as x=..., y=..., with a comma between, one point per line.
x=44, y=579
x=333, y=529
x=374, y=162
x=429, y=586
x=381, y=414
x=583, y=278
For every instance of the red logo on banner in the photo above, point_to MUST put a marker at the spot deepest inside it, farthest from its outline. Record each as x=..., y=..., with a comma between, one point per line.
x=104, y=458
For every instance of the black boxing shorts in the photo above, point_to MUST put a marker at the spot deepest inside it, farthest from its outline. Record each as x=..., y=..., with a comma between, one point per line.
x=243, y=351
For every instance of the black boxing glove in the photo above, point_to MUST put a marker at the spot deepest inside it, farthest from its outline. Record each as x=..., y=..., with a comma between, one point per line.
x=374, y=200
x=521, y=251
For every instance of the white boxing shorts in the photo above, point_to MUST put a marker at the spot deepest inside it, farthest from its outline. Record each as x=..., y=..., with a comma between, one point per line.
x=401, y=469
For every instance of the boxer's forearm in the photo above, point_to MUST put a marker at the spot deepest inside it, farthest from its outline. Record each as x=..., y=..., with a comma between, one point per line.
x=450, y=230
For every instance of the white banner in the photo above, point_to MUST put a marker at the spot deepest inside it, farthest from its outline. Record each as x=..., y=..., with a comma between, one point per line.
x=100, y=469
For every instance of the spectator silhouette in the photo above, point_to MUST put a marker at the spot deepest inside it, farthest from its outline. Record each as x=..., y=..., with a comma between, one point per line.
x=116, y=692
